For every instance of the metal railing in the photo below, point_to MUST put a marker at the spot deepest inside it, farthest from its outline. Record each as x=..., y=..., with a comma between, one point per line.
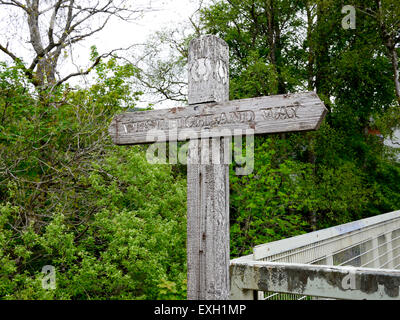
x=357, y=260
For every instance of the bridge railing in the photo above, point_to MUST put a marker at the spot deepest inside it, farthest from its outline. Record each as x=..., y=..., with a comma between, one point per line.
x=358, y=260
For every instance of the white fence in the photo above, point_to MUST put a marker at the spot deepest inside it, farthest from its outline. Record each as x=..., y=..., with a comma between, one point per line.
x=358, y=260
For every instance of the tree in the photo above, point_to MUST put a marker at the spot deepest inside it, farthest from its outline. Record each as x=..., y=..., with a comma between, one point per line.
x=111, y=224
x=56, y=25
x=303, y=182
x=387, y=15
x=162, y=66
x=259, y=31
x=70, y=198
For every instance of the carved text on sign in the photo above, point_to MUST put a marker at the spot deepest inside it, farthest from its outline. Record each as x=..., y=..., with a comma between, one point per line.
x=193, y=121
x=281, y=113
x=290, y=112
x=212, y=120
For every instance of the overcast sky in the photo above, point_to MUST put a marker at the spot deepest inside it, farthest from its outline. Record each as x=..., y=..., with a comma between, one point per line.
x=168, y=13
x=163, y=14
x=117, y=34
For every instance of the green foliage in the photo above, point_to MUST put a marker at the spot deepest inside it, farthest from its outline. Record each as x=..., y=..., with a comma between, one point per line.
x=112, y=225
x=255, y=37
x=304, y=182
x=132, y=247
x=259, y=79
x=266, y=203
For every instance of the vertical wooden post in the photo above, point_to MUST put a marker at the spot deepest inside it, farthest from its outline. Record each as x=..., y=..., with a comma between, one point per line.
x=208, y=183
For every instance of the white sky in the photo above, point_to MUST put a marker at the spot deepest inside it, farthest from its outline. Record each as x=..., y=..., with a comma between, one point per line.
x=117, y=34
x=120, y=34
x=169, y=12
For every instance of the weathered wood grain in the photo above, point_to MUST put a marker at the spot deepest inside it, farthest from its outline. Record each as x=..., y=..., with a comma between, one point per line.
x=208, y=186
x=208, y=70
x=273, y=114
x=313, y=280
x=210, y=119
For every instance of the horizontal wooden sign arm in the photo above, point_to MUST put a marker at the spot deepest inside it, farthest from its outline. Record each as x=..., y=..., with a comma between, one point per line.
x=272, y=114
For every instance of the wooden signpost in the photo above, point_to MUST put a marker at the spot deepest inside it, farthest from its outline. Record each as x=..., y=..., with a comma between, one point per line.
x=273, y=114
x=210, y=114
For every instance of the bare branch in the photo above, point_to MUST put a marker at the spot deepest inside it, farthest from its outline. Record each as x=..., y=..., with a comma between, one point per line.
x=67, y=23
x=368, y=12
x=15, y=4
x=10, y=54
x=83, y=36
x=87, y=71
x=53, y=20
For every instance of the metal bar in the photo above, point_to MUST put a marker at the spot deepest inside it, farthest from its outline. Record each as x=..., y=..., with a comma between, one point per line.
x=387, y=262
x=270, y=249
x=385, y=253
x=322, y=243
x=366, y=252
x=271, y=296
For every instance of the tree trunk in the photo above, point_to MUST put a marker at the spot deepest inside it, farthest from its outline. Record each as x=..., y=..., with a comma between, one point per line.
x=273, y=35
x=322, y=53
x=390, y=44
x=311, y=57
x=396, y=74
x=46, y=72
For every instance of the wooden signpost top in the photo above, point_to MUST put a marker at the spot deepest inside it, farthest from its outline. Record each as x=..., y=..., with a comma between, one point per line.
x=211, y=115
